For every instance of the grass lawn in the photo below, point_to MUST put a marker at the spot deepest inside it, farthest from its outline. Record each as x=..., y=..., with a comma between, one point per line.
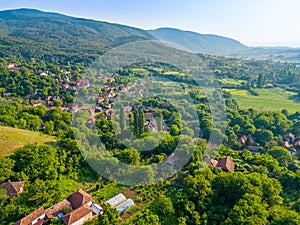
x=12, y=138
x=107, y=192
x=269, y=99
x=230, y=81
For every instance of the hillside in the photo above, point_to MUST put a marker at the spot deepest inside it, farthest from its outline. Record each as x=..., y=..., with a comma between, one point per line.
x=64, y=35
x=12, y=138
x=199, y=43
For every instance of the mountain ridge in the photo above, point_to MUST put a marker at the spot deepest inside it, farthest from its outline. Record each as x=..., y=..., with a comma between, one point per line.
x=199, y=43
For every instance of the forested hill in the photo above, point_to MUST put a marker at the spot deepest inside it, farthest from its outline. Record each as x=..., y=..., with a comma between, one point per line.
x=199, y=43
x=61, y=35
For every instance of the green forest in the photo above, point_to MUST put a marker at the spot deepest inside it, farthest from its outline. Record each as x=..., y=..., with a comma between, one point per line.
x=41, y=89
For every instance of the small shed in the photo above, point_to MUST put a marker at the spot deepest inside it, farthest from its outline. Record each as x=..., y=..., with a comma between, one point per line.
x=97, y=209
x=118, y=199
x=125, y=205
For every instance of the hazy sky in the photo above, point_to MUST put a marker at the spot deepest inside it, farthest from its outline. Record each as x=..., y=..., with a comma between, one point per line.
x=253, y=22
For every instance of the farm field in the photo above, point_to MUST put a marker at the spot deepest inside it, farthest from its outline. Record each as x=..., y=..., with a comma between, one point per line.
x=12, y=138
x=267, y=99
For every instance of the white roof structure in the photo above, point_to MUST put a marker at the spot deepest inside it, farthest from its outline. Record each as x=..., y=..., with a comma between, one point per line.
x=125, y=205
x=97, y=209
x=118, y=199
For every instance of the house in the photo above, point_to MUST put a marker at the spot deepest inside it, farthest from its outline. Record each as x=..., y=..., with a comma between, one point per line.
x=289, y=137
x=11, y=65
x=286, y=144
x=59, y=208
x=35, y=218
x=293, y=151
x=13, y=189
x=125, y=205
x=127, y=109
x=72, y=88
x=226, y=164
x=35, y=103
x=83, y=82
x=72, y=107
x=148, y=116
x=78, y=216
x=112, y=79
x=118, y=199
x=7, y=95
x=211, y=162
x=79, y=199
x=242, y=140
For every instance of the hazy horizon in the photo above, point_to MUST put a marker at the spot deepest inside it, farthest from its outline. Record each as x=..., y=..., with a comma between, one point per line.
x=253, y=23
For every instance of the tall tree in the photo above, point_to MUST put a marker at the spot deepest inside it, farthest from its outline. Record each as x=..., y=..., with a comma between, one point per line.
x=122, y=118
x=159, y=122
x=261, y=81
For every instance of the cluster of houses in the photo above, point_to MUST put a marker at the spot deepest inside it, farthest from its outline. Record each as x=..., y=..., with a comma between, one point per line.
x=252, y=145
x=291, y=143
x=78, y=208
x=75, y=210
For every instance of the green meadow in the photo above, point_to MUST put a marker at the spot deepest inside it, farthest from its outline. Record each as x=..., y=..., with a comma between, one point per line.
x=267, y=99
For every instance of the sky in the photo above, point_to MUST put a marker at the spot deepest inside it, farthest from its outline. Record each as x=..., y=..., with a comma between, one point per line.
x=252, y=22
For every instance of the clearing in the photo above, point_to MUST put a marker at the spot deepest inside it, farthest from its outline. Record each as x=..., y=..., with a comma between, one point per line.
x=13, y=138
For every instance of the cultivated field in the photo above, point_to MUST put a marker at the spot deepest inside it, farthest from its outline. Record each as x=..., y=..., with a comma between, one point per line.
x=267, y=99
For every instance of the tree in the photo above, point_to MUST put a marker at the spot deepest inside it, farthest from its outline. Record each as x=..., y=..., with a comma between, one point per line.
x=163, y=207
x=261, y=81
x=248, y=211
x=122, y=118
x=37, y=162
x=148, y=218
x=6, y=169
x=281, y=155
x=283, y=216
x=264, y=136
x=110, y=216
x=129, y=156
x=159, y=122
x=141, y=119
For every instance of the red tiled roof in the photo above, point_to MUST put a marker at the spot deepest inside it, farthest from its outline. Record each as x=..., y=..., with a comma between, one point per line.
x=289, y=135
x=243, y=139
x=31, y=217
x=226, y=164
x=58, y=208
x=76, y=215
x=79, y=198
x=13, y=188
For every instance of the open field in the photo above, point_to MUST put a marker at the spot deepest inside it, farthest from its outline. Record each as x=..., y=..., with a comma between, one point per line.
x=12, y=138
x=268, y=99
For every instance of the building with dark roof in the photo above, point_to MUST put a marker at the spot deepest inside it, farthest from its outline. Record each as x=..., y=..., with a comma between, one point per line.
x=13, y=189
x=78, y=216
x=79, y=199
x=35, y=218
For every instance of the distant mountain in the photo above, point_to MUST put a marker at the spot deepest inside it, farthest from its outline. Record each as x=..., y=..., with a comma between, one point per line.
x=69, y=34
x=57, y=38
x=199, y=43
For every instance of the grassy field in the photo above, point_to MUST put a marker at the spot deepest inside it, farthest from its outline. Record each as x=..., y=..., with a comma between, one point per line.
x=268, y=99
x=12, y=138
